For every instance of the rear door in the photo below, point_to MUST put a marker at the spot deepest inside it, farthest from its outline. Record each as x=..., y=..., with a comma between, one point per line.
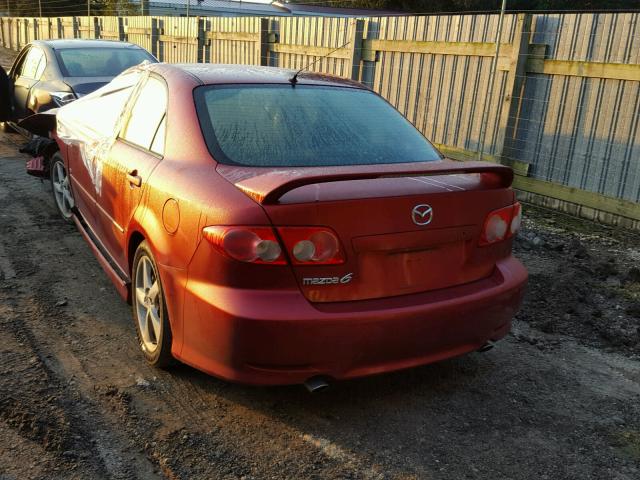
x=128, y=166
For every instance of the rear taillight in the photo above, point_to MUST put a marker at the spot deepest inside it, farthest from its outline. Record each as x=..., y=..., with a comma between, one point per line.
x=246, y=244
x=501, y=224
x=311, y=245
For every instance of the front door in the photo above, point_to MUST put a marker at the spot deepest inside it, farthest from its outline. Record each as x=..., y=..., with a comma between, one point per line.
x=24, y=78
x=129, y=165
x=89, y=138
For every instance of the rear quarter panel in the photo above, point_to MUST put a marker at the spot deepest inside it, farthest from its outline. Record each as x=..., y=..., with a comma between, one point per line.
x=184, y=194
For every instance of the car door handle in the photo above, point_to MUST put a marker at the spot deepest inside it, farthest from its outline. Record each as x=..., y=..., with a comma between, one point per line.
x=134, y=179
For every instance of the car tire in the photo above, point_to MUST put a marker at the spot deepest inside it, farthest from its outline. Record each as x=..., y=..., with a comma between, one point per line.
x=150, y=309
x=61, y=188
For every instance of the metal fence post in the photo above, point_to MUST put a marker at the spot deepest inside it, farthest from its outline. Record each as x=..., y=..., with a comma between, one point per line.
x=121, y=36
x=357, y=29
x=155, y=38
x=201, y=39
x=34, y=29
x=263, y=44
x=488, y=98
x=96, y=27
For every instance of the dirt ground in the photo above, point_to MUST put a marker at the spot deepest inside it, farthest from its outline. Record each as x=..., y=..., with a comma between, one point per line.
x=558, y=398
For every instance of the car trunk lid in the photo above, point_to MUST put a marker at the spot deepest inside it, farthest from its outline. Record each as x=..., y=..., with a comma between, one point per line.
x=404, y=229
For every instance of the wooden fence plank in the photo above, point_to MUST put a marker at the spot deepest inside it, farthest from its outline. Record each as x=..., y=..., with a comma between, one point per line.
x=617, y=71
x=311, y=50
x=237, y=36
x=480, y=49
x=585, y=198
x=522, y=182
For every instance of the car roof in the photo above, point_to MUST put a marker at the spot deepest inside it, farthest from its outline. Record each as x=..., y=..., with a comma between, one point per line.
x=216, y=74
x=60, y=44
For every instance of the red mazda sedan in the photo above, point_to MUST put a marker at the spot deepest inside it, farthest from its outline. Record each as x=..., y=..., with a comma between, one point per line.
x=273, y=230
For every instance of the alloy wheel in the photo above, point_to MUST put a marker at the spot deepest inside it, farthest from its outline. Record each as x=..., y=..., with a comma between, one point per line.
x=148, y=304
x=61, y=190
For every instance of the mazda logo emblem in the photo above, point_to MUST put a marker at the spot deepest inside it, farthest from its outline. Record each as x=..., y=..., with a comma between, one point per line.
x=422, y=214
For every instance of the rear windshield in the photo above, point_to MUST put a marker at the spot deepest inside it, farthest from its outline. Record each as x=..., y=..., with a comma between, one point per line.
x=99, y=62
x=281, y=125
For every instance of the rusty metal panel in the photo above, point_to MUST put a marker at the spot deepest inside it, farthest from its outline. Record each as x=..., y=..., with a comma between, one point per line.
x=577, y=131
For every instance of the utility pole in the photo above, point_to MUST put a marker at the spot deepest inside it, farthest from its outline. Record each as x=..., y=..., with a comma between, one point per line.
x=39, y=7
x=488, y=99
x=88, y=8
x=188, y=5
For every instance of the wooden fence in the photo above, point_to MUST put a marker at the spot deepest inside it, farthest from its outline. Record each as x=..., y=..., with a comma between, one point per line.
x=564, y=110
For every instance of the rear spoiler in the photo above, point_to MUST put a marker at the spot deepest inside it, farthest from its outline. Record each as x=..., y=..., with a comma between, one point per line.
x=267, y=185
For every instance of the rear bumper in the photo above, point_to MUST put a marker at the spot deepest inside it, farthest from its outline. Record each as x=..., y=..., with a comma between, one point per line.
x=278, y=337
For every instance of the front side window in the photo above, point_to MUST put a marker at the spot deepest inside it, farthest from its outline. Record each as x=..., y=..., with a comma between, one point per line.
x=31, y=63
x=41, y=66
x=146, y=119
x=99, y=61
x=109, y=101
x=304, y=126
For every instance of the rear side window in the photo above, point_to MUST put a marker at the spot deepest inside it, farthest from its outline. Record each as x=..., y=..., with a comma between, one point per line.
x=146, y=121
x=281, y=125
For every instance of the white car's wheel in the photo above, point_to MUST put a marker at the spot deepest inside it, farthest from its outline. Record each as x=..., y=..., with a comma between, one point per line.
x=61, y=188
x=150, y=309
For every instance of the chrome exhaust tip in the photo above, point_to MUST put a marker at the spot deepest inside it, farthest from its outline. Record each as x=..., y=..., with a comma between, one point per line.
x=486, y=347
x=316, y=384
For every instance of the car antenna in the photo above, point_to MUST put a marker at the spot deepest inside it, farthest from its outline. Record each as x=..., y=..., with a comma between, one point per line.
x=293, y=80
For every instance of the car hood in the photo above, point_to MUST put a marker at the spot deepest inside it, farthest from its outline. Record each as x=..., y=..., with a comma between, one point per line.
x=82, y=86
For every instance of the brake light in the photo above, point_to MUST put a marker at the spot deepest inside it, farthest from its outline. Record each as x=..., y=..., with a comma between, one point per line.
x=501, y=224
x=246, y=244
x=311, y=245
